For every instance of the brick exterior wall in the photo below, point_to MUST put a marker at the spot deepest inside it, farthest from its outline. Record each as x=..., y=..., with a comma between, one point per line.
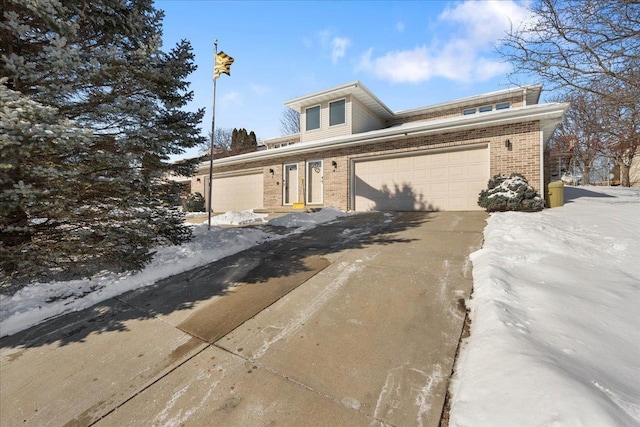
x=523, y=157
x=421, y=115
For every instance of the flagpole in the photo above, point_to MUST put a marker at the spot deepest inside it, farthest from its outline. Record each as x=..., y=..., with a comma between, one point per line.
x=213, y=132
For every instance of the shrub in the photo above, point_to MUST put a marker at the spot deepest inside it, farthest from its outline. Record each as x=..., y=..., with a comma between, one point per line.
x=512, y=193
x=194, y=203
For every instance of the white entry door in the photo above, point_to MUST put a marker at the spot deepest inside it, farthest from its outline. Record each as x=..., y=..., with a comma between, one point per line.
x=290, y=184
x=314, y=186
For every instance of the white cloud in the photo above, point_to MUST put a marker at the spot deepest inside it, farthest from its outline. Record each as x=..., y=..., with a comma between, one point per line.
x=260, y=89
x=467, y=56
x=231, y=99
x=338, y=48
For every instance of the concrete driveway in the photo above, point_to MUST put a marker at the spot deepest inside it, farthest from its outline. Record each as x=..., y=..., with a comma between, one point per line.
x=354, y=323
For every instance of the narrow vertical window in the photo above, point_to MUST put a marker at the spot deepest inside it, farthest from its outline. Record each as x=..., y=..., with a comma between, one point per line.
x=313, y=118
x=337, y=113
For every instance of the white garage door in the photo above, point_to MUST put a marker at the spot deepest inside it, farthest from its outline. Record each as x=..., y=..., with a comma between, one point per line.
x=443, y=181
x=237, y=192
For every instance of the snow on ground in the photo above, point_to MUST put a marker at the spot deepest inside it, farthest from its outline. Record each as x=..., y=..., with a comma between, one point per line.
x=36, y=303
x=555, y=332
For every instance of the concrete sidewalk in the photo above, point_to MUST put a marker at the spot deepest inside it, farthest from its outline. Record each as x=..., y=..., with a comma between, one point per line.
x=354, y=323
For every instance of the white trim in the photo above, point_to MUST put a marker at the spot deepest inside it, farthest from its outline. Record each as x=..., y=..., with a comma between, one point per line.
x=541, y=112
x=240, y=172
x=319, y=106
x=329, y=112
x=542, y=190
x=306, y=182
x=284, y=187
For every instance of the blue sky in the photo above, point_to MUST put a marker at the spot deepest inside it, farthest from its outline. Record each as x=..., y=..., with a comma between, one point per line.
x=409, y=54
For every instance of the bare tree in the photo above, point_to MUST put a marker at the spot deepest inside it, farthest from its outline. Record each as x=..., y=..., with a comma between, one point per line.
x=581, y=134
x=575, y=43
x=290, y=122
x=622, y=127
x=592, y=46
x=222, y=143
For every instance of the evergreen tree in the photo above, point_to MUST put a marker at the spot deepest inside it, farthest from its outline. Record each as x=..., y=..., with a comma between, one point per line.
x=91, y=112
x=243, y=142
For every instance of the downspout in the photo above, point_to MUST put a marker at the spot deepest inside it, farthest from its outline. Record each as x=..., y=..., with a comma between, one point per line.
x=542, y=190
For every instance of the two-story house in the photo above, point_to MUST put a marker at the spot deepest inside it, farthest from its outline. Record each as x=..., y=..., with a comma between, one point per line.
x=354, y=153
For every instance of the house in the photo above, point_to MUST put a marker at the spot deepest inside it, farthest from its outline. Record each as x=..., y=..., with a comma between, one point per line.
x=354, y=153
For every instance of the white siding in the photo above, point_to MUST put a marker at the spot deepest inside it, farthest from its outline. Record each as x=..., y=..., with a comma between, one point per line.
x=325, y=131
x=363, y=119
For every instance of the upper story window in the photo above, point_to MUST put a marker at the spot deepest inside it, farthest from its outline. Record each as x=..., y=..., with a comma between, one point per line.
x=312, y=118
x=486, y=108
x=337, y=113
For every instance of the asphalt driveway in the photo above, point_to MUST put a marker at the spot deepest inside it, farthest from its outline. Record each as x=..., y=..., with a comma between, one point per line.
x=352, y=323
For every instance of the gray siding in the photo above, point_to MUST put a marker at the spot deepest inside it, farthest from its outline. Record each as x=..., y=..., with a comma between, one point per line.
x=363, y=119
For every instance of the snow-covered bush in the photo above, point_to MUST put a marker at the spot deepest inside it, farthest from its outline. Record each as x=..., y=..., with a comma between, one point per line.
x=510, y=193
x=194, y=203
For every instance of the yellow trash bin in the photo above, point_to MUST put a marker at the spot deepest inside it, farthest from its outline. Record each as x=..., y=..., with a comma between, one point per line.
x=555, y=194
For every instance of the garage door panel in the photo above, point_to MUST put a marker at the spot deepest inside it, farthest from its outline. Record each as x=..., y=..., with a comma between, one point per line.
x=437, y=181
x=237, y=193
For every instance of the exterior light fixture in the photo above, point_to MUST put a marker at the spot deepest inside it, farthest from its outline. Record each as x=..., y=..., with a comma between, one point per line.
x=198, y=179
x=334, y=164
x=508, y=145
x=271, y=171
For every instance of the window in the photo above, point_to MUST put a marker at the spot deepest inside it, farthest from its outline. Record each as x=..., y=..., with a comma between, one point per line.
x=336, y=112
x=503, y=105
x=313, y=118
x=469, y=111
x=486, y=108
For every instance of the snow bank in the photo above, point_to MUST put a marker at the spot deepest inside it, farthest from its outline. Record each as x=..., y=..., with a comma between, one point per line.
x=304, y=221
x=38, y=302
x=555, y=332
x=238, y=218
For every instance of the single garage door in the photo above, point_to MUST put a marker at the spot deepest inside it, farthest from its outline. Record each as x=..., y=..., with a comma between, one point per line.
x=429, y=181
x=237, y=192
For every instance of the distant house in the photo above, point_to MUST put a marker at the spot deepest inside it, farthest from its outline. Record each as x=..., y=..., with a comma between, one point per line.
x=634, y=170
x=354, y=153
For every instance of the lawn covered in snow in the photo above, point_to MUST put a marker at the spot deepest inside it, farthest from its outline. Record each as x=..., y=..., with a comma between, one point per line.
x=555, y=317
x=38, y=302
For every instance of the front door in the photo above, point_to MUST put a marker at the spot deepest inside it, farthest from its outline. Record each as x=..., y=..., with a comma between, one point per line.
x=314, y=182
x=290, y=184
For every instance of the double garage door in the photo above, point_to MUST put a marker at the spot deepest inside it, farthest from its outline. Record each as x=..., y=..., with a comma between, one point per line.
x=237, y=192
x=428, y=181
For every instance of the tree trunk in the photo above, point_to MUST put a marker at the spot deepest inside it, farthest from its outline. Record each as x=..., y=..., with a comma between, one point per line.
x=586, y=171
x=625, y=180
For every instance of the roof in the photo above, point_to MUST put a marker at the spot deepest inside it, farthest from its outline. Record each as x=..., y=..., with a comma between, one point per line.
x=549, y=116
x=531, y=95
x=355, y=89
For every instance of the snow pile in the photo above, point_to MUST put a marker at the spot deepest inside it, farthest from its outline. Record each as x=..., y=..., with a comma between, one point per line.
x=238, y=218
x=555, y=332
x=304, y=221
x=36, y=303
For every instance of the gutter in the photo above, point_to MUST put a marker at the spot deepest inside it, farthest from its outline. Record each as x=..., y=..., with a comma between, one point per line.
x=553, y=111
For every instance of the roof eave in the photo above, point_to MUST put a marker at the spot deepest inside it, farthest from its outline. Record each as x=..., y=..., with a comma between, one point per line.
x=548, y=114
